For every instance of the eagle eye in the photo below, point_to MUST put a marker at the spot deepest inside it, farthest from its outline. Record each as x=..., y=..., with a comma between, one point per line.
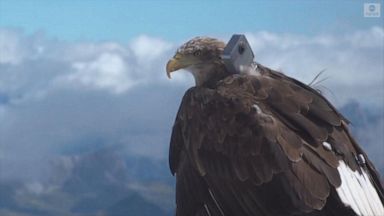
x=197, y=53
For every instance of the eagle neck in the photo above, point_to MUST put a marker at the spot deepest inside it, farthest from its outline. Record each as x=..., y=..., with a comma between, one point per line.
x=209, y=75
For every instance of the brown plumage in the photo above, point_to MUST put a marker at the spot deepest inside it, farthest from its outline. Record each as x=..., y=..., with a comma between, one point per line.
x=255, y=144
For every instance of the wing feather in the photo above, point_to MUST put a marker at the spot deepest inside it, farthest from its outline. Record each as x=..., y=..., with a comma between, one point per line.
x=253, y=138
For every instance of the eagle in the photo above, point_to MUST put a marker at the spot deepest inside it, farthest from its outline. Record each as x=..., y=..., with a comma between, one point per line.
x=261, y=143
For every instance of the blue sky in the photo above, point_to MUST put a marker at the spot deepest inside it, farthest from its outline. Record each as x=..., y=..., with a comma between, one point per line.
x=177, y=20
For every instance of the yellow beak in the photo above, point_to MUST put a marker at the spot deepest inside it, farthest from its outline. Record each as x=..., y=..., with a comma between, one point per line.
x=172, y=65
x=176, y=63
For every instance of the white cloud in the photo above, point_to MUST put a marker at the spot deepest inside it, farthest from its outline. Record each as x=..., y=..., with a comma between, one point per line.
x=11, y=47
x=374, y=38
x=35, y=187
x=147, y=48
x=32, y=65
x=352, y=62
x=106, y=71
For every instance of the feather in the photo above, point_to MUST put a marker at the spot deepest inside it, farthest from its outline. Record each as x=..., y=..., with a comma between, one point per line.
x=320, y=166
x=313, y=181
x=242, y=144
x=358, y=192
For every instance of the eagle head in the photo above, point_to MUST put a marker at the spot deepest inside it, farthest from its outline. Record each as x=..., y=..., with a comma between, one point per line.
x=201, y=57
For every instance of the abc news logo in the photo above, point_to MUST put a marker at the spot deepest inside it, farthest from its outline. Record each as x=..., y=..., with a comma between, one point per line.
x=372, y=9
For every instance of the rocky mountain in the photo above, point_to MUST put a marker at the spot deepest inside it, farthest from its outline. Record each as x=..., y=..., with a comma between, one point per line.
x=97, y=183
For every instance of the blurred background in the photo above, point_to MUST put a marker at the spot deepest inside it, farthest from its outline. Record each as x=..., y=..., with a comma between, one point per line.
x=86, y=109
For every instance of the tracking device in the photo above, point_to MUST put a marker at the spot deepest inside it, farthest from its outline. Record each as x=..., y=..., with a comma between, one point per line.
x=237, y=54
